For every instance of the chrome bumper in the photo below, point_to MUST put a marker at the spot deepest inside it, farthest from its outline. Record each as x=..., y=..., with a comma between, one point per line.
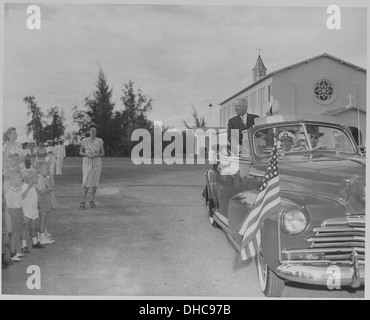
x=342, y=275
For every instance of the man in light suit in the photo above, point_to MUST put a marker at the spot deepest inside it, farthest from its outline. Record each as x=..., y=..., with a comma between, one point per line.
x=61, y=155
x=242, y=121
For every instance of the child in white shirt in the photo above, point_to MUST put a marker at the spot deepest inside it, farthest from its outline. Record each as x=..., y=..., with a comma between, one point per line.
x=44, y=190
x=30, y=203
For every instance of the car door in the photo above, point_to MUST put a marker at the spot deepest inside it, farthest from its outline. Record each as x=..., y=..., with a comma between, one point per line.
x=232, y=174
x=227, y=184
x=243, y=196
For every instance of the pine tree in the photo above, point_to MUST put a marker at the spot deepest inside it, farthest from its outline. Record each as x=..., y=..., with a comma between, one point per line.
x=137, y=107
x=56, y=128
x=98, y=109
x=37, y=119
x=199, y=122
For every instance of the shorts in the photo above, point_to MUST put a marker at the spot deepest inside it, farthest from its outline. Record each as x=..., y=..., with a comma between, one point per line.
x=44, y=203
x=16, y=217
x=33, y=215
x=27, y=163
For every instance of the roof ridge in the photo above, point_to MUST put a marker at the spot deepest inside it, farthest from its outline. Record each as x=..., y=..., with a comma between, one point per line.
x=323, y=55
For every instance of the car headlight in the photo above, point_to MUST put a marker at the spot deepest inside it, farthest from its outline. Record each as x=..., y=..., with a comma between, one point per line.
x=294, y=221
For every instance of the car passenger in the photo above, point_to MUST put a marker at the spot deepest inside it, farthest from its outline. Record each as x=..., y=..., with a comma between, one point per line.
x=286, y=139
x=314, y=135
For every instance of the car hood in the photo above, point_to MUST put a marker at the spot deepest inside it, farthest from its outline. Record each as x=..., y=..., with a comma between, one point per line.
x=341, y=179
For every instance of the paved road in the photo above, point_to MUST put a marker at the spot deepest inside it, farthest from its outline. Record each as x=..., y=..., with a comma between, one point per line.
x=148, y=236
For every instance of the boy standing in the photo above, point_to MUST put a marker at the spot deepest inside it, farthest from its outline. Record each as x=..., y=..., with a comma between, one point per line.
x=30, y=206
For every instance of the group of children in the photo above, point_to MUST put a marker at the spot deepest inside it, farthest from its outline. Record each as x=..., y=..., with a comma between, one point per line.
x=51, y=150
x=28, y=198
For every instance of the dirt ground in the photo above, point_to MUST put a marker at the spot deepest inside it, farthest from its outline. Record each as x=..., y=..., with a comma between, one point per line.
x=148, y=237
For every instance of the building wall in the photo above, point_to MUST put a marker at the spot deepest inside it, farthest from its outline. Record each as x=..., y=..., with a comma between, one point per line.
x=350, y=119
x=293, y=91
x=258, y=100
x=296, y=85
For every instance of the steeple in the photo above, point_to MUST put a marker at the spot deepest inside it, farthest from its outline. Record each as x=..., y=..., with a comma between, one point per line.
x=259, y=70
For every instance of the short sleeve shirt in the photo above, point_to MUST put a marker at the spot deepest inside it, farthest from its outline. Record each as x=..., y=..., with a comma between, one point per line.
x=49, y=150
x=92, y=147
x=30, y=201
x=44, y=201
x=26, y=153
x=60, y=151
x=42, y=183
x=14, y=198
x=13, y=149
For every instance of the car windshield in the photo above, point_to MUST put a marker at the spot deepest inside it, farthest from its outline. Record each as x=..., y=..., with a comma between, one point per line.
x=302, y=138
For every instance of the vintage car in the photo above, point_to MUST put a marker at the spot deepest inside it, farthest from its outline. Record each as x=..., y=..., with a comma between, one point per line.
x=318, y=234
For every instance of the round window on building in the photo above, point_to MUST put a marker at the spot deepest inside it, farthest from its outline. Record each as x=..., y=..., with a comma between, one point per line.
x=324, y=91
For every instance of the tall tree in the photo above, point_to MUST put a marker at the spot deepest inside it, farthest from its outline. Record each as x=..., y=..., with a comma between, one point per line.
x=137, y=107
x=98, y=108
x=82, y=118
x=37, y=119
x=199, y=121
x=56, y=128
x=136, y=104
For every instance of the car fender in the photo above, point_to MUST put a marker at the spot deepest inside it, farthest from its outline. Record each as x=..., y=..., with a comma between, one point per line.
x=316, y=209
x=274, y=237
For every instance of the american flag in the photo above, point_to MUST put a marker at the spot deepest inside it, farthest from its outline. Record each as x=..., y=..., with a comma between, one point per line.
x=266, y=203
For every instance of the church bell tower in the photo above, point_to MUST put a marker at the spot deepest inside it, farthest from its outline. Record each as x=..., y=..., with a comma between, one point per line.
x=259, y=70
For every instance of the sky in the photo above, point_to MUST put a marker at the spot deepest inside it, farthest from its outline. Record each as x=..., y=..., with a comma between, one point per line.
x=179, y=55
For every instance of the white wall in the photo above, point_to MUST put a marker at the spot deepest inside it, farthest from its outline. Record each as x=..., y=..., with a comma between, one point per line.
x=258, y=101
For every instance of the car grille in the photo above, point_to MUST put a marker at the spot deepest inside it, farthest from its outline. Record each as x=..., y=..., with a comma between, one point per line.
x=338, y=239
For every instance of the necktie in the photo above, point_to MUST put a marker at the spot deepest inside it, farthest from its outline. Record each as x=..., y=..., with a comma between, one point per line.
x=244, y=119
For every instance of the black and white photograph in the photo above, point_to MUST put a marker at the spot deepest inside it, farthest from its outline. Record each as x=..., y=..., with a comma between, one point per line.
x=174, y=150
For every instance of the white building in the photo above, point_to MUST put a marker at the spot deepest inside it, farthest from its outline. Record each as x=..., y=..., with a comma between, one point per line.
x=320, y=85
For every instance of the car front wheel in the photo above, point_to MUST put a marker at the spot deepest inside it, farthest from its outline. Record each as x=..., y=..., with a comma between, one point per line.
x=270, y=283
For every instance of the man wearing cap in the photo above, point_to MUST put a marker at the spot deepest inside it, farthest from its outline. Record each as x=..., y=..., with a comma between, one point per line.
x=286, y=139
x=242, y=121
x=61, y=154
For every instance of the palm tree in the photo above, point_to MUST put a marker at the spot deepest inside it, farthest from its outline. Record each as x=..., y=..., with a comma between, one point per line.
x=199, y=122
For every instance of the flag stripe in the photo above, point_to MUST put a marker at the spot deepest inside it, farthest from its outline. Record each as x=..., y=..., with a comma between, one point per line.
x=252, y=253
x=244, y=255
x=267, y=211
x=271, y=194
x=253, y=212
x=262, y=193
x=274, y=182
x=266, y=203
x=257, y=206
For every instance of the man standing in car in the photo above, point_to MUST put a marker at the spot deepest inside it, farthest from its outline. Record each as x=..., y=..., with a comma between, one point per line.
x=242, y=121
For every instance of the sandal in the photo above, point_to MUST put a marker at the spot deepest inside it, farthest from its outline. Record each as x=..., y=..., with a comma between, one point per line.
x=92, y=204
x=82, y=205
